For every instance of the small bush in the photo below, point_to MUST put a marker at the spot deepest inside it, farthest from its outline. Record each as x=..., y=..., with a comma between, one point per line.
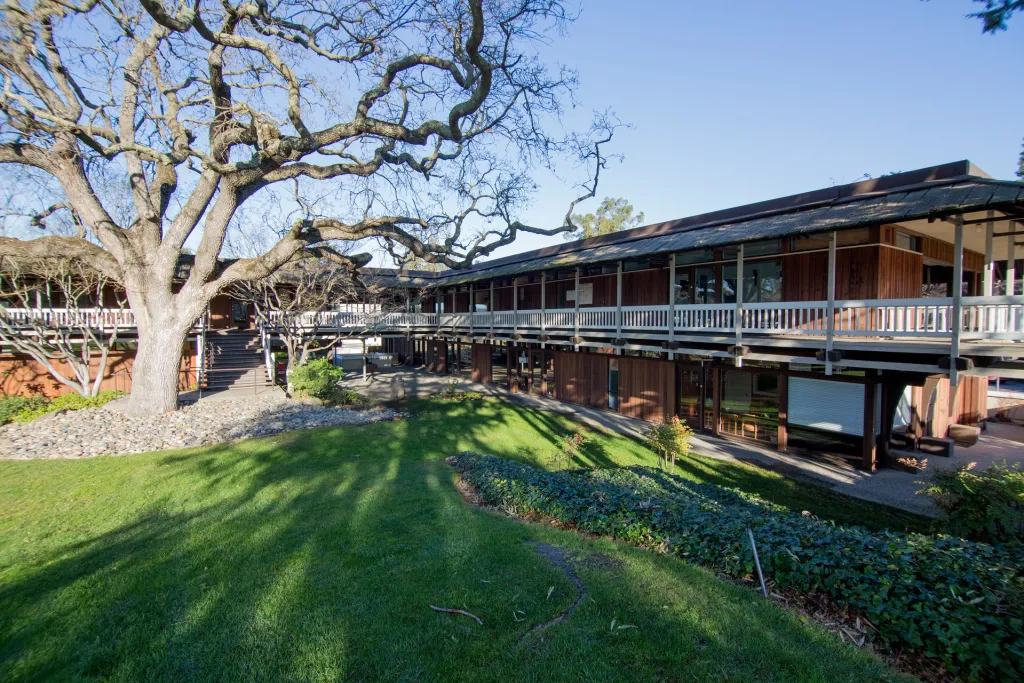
x=986, y=505
x=349, y=398
x=947, y=598
x=569, y=448
x=36, y=406
x=451, y=392
x=10, y=406
x=670, y=440
x=317, y=378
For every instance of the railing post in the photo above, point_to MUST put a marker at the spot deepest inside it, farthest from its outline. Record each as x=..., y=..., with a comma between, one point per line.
x=576, y=313
x=986, y=278
x=472, y=310
x=543, y=307
x=958, y=293
x=1011, y=257
x=490, y=308
x=672, y=306
x=738, y=323
x=618, y=306
x=830, y=319
x=515, y=307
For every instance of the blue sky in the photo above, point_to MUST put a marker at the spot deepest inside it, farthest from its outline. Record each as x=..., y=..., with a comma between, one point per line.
x=738, y=101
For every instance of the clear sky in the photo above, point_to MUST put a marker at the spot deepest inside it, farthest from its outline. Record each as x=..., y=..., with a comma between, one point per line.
x=736, y=101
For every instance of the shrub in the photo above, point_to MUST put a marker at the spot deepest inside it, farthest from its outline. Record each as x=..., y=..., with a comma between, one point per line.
x=569, y=448
x=349, y=398
x=451, y=392
x=10, y=406
x=669, y=440
x=948, y=598
x=986, y=505
x=36, y=406
x=317, y=378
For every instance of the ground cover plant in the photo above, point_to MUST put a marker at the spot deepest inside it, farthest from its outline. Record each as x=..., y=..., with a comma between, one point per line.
x=951, y=599
x=28, y=408
x=984, y=504
x=315, y=555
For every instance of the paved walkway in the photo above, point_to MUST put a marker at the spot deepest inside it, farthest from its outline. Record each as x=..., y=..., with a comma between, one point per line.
x=887, y=486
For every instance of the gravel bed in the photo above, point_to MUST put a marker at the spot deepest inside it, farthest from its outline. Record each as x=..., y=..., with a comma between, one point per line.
x=102, y=431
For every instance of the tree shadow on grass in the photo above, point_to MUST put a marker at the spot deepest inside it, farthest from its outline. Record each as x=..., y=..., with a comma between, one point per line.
x=315, y=555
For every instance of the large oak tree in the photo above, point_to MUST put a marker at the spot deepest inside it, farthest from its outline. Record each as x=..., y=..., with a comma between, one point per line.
x=152, y=128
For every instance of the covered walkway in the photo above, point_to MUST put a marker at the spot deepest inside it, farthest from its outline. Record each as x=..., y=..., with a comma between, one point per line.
x=886, y=486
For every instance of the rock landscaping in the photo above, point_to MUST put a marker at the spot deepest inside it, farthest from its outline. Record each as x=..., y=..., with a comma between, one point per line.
x=102, y=431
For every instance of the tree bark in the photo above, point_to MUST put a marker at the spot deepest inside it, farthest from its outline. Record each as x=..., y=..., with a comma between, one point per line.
x=164, y=320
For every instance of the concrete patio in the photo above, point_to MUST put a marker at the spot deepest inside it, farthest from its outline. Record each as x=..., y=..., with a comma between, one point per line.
x=1000, y=442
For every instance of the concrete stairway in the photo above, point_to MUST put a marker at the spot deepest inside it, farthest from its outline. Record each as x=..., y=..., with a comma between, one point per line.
x=236, y=361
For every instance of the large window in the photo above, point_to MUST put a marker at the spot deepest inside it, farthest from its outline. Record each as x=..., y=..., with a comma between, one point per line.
x=904, y=240
x=762, y=282
x=750, y=405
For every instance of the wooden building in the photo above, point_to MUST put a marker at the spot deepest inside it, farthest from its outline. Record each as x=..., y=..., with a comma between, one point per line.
x=839, y=319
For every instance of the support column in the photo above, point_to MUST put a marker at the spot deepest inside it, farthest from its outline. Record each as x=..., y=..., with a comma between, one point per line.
x=1011, y=257
x=986, y=277
x=831, y=309
x=956, y=324
x=472, y=310
x=739, y=306
x=490, y=308
x=515, y=306
x=543, y=307
x=672, y=305
x=576, y=314
x=869, y=455
x=716, y=398
x=783, y=443
x=618, y=306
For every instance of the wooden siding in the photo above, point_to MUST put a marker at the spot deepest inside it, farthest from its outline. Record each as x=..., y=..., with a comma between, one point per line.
x=644, y=288
x=900, y=274
x=481, y=363
x=24, y=376
x=804, y=276
x=582, y=378
x=647, y=388
x=529, y=297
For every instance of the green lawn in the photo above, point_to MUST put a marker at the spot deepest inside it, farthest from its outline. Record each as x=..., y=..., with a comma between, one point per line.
x=315, y=555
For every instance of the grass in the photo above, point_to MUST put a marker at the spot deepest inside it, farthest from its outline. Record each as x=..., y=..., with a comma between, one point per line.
x=314, y=556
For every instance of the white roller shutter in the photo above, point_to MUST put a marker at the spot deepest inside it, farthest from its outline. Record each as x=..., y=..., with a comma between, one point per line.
x=828, y=406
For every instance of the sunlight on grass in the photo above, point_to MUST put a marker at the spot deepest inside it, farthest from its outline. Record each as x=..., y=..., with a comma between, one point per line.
x=314, y=556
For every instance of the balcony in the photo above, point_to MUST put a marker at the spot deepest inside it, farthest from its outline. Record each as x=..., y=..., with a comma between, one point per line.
x=986, y=319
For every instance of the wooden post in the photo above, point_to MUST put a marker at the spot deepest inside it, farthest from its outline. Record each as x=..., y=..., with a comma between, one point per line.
x=509, y=364
x=672, y=305
x=783, y=443
x=1011, y=257
x=830, y=321
x=618, y=306
x=576, y=314
x=472, y=309
x=986, y=278
x=716, y=398
x=739, y=305
x=543, y=306
x=364, y=358
x=958, y=293
x=515, y=305
x=490, y=307
x=869, y=455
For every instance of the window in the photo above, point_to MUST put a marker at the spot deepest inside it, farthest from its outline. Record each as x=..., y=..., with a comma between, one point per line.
x=750, y=405
x=613, y=383
x=695, y=256
x=762, y=282
x=904, y=240
x=705, y=285
x=844, y=238
x=683, y=287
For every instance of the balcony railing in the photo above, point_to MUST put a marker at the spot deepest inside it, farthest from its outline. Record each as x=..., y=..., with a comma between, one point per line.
x=981, y=318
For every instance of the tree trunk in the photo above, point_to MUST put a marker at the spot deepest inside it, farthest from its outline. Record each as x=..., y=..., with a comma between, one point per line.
x=156, y=370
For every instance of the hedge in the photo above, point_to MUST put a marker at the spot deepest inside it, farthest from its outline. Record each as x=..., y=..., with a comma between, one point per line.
x=948, y=598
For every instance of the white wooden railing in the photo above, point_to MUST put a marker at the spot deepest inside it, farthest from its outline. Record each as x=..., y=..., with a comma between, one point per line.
x=73, y=317
x=982, y=318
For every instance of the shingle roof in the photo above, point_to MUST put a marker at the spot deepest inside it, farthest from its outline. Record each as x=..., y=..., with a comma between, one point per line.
x=847, y=208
